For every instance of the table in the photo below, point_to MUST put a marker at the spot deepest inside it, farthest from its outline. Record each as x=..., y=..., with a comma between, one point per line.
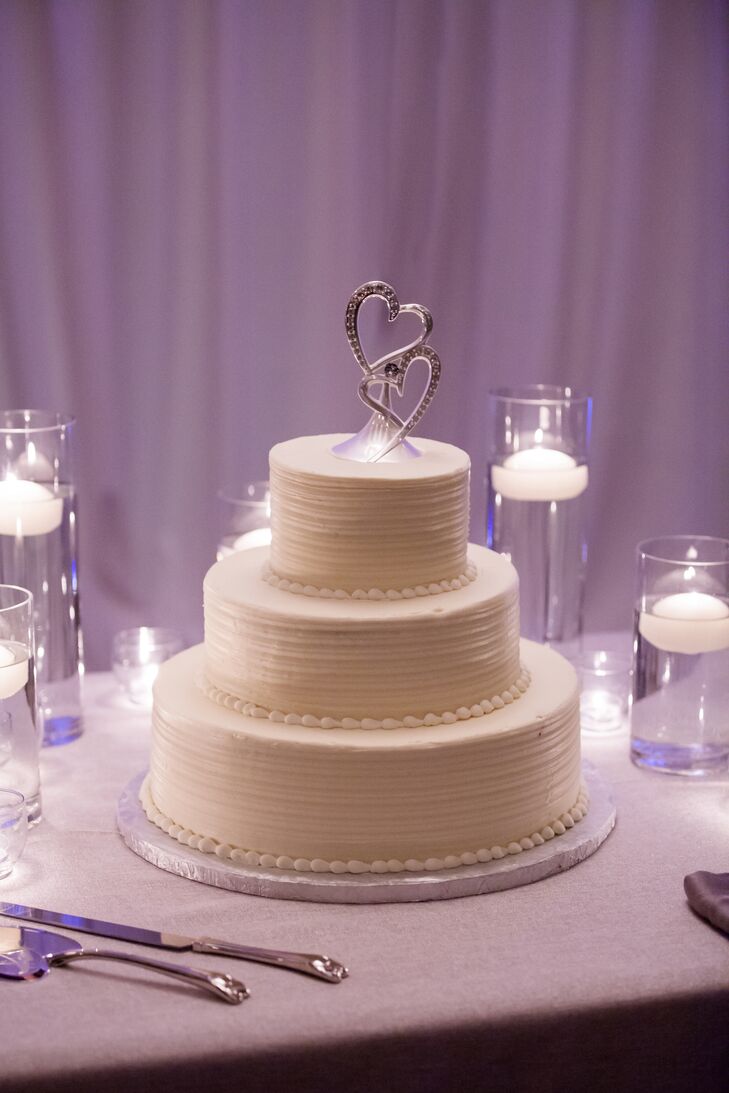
x=599, y=979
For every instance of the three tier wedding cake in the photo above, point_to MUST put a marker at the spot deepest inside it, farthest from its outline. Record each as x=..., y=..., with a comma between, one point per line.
x=362, y=701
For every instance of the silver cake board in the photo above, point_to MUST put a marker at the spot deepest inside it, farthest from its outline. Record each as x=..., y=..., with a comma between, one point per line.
x=560, y=853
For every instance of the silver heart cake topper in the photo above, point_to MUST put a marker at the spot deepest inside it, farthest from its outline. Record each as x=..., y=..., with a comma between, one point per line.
x=385, y=434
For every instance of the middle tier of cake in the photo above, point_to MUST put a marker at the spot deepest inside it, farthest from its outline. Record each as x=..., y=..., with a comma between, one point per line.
x=379, y=659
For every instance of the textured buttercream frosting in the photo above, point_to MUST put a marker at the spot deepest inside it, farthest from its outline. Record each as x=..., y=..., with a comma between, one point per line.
x=361, y=658
x=287, y=794
x=340, y=524
x=446, y=717
x=254, y=858
x=362, y=701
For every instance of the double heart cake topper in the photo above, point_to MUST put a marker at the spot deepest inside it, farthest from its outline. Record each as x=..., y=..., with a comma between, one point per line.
x=386, y=430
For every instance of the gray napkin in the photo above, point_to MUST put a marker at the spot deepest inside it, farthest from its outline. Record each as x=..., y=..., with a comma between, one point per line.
x=708, y=894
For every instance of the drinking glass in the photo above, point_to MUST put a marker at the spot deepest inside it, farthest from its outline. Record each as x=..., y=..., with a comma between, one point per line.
x=38, y=550
x=246, y=518
x=19, y=729
x=13, y=829
x=537, y=479
x=680, y=697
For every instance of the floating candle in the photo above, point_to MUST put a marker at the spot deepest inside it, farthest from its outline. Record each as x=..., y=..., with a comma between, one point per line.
x=539, y=474
x=687, y=622
x=13, y=668
x=28, y=508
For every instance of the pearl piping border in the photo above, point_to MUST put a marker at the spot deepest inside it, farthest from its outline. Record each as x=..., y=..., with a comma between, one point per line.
x=310, y=721
x=435, y=588
x=253, y=858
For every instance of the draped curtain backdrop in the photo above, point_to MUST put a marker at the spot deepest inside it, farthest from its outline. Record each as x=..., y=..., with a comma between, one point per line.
x=191, y=189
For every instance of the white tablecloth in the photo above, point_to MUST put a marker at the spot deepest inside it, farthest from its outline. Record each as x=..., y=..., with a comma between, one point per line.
x=600, y=977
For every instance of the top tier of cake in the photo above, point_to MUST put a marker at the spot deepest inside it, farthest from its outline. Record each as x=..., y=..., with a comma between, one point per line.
x=343, y=525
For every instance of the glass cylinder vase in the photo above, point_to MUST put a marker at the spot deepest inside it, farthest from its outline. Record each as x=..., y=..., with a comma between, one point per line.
x=680, y=696
x=537, y=479
x=39, y=550
x=20, y=732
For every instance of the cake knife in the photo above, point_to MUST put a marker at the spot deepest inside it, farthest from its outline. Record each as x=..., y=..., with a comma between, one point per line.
x=322, y=967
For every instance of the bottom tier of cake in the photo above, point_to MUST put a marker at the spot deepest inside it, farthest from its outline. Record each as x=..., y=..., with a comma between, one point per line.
x=359, y=800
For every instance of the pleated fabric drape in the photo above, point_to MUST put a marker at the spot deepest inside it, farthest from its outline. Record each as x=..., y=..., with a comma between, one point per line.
x=191, y=189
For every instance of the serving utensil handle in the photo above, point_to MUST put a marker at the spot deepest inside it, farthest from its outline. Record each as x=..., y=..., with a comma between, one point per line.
x=321, y=967
x=217, y=983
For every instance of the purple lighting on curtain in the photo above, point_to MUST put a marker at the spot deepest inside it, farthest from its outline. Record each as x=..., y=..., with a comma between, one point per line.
x=189, y=192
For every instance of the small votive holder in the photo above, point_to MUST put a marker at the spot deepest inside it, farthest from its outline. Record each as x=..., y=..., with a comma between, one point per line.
x=136, y=658
x=13, y=829
x=605, y=690
x=245, y=518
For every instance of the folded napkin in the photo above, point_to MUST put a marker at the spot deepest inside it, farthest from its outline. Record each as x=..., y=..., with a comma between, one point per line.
x=708, y=894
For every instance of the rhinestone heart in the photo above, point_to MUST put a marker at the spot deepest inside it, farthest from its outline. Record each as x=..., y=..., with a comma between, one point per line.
x=394, y=308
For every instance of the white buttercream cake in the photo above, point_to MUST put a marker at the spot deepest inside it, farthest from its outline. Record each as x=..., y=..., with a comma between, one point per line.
x=362, y=700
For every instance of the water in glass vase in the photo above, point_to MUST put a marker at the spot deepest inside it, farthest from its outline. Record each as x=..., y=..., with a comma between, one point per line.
x=679, y=714
x=46, y=564
x=19, y=735
x=545, y=541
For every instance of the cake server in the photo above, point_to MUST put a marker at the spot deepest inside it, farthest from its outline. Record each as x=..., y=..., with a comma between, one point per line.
x=322, y=967
x=27, y=953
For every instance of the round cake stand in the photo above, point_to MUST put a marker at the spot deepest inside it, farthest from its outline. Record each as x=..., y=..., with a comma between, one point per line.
x=560, y=853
